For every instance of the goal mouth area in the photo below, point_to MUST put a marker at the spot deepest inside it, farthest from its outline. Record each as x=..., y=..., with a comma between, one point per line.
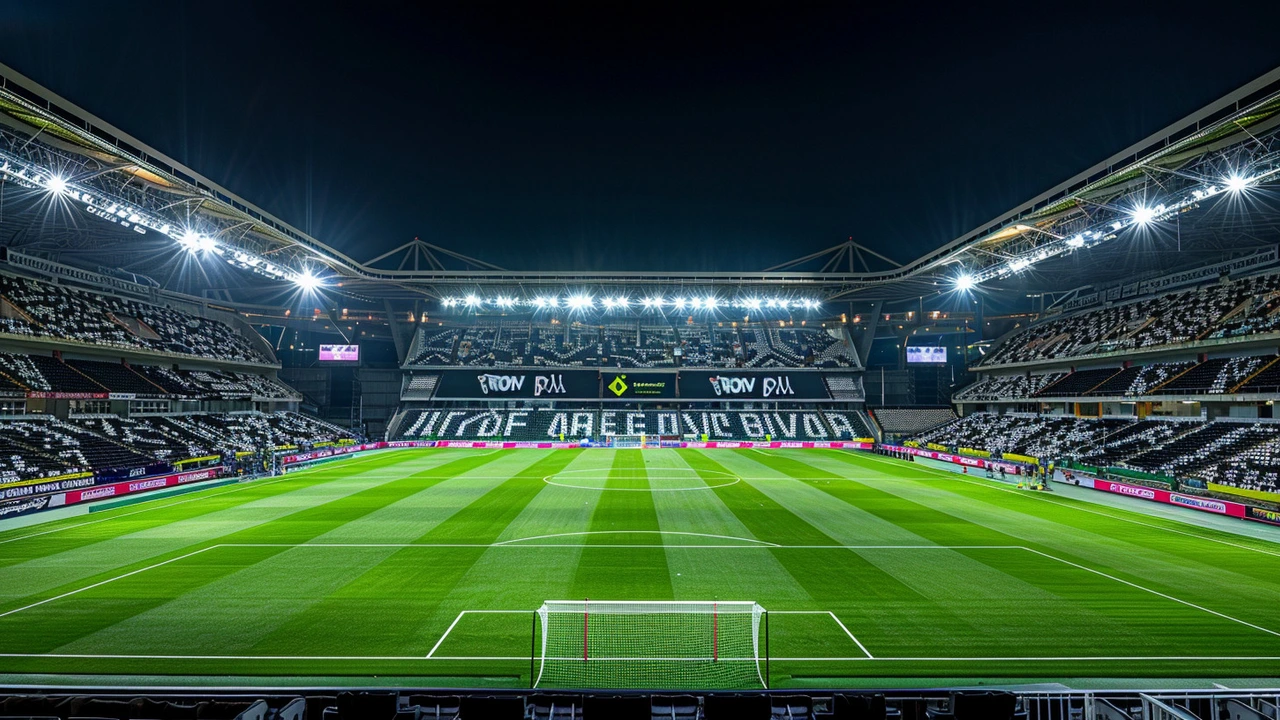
x=709, y=644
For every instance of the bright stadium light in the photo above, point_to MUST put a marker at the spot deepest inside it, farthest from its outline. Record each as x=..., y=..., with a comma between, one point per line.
x=1020, y=264
x=450, y=302
x=772, y=302
x=752, y=303
x=206, y=243
x=1236, y=183
x=544, y=302
x=307, y=281
x=504, y=301
x=679, y=303
x=622, y=301
x=1143, y=215
x=190, y=239
x=56, y=185
x=964, y=282
x=471, y=300
x=711, y=303
x=650, y=302
x=580, y=301
x=610, y=303
x=1075, y=241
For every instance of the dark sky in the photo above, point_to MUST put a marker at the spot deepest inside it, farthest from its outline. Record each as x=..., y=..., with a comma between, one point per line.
x=637, y=135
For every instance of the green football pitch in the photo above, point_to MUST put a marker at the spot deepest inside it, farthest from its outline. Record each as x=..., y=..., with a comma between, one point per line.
x=425, y=567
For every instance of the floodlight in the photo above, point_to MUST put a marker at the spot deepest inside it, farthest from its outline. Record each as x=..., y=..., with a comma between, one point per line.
x=679, y=303
x=471, y=300
x=609, y=302
x=710, y=303
x=504, y=301
x=577, y=302
x=450, y=302
x=651, y=302
x=1075, y=241
x=964, y=282
x=622, y=301
x=56, y=185
x=753, y=303
x=206, y=243
x=772, y=302
x=307, y=281
x=1236, y=183
x=1020, y=264
x=1143, y=214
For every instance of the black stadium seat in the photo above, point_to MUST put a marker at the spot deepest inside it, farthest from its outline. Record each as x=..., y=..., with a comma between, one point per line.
x=615, y=707
x=492, y=708
x=732, y=707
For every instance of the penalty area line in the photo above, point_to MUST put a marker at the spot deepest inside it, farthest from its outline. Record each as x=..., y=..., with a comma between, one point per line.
x=855, y=640
x=455, y=622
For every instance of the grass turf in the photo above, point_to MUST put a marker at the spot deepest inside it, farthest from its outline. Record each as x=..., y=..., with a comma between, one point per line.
x=873, y=571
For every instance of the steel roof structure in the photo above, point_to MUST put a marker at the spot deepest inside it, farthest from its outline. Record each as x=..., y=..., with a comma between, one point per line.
x=75, y=189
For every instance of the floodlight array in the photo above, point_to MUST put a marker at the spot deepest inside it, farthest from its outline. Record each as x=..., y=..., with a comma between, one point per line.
x=126, y=215
x=618, y=302
x=1138, y=215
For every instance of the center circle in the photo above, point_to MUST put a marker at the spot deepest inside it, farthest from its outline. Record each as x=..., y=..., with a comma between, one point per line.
x=658, y=479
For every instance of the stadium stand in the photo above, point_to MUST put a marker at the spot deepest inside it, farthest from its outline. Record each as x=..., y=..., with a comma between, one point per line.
x=1140, y=380
x=514, y=342
x=39, y=309
x=36, y=446
x=910, y=421
x=1078, y=383
x=1007, y=386
x=1227, y=309
x=1039, y=436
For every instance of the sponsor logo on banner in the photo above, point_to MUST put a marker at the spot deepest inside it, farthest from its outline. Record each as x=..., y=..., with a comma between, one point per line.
x=1142, y=492
x=25, y=506
x=1264, y=515
x=769, y=386
x=1199, y=503
x=552, y=384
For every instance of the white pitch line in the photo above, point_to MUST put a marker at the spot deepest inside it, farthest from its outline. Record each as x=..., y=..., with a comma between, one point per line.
x=455, y=622
x=104, y=582
x=637, y=532
x=1154, y=592
x=1052, y=501
x=833, y=617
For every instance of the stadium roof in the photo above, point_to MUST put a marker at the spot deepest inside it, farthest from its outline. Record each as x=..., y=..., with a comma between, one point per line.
x=76, y=189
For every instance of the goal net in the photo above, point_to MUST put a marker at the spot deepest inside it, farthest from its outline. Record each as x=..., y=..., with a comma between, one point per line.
x=708, y=645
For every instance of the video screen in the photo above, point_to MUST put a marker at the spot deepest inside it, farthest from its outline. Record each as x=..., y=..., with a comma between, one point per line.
x=926, y=355
x=339, y=353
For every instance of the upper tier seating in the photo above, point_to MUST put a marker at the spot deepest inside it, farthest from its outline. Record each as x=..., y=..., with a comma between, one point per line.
x=1224, y=309
x=514, y=342
x=37, y=308
x=1007, y=386
x=1141, y=379
x=1078, y=383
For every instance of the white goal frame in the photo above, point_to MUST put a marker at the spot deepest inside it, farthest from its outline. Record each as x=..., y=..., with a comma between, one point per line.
x=744, y=622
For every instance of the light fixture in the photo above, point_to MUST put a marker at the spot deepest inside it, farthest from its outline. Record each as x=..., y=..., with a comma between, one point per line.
x=471, y=300
x=964, y=282
x=1236, y=183
x=56, y=185
x=1142, y=215
x=1075, y=241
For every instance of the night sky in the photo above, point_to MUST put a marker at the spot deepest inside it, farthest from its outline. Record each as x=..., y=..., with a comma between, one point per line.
x=636, y=135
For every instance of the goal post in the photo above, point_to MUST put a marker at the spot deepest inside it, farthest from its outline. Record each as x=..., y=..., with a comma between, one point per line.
x=706, y=645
